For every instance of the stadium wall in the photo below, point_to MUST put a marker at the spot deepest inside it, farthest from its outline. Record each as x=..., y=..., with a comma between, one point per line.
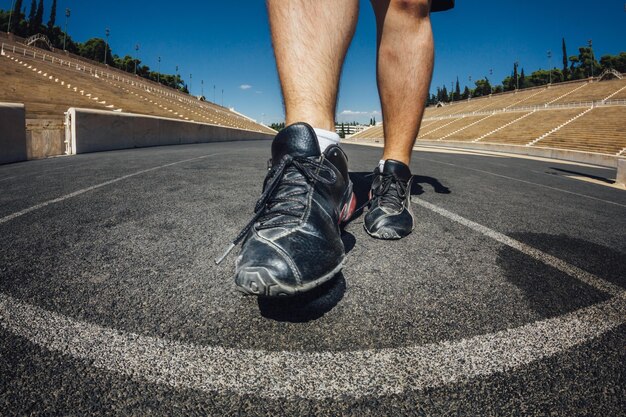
x=12, y=133
x=44, y=138
x=621, y=172
x=97, y=130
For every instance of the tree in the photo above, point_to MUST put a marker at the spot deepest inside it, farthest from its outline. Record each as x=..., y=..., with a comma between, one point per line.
x=39, y=16
x=17, y=8
x=53, y=15
x=94, y=49
x=466, y=93
x=565, y=67
x=510, y=82
x=444, y=94
x=542, y=77
x=522, y=80
x=17, y=15
x=32, y=14
x=457, y=91
x=581, y=65
x=616, y=62
x=483, y=88
x=342, y=133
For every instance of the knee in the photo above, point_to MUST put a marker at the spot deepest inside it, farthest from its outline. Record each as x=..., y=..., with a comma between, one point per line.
x=419, y=9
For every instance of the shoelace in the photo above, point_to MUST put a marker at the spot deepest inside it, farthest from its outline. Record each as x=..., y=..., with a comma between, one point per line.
x=268, y=206
x=391, y=192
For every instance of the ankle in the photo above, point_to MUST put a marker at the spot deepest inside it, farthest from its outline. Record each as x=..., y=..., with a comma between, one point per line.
x=405, y=159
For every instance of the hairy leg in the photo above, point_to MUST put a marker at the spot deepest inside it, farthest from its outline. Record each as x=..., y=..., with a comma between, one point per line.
x=310, y=39
x=404, y=71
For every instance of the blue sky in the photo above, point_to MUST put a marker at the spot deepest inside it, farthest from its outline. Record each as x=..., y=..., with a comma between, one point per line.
x=227, y=43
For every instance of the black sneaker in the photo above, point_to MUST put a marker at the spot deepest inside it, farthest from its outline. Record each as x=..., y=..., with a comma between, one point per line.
x=293, y=242
x=389, y=215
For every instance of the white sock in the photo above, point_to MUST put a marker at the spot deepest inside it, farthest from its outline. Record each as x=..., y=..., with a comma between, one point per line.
x=325, y=138
x=381, y=165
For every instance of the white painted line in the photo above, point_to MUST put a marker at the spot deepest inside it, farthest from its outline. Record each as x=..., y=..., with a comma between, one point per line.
x=318, y=375
x=94, y=187
x=541, y=256
x=306, y=374
x=523, y=181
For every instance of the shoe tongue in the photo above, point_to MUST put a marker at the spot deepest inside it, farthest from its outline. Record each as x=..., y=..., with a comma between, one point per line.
x=397, y=169
x=297, y=140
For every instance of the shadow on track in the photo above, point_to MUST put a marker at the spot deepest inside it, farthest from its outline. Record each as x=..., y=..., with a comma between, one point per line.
x=306, y=307
x=581, y=174
x=550, y=292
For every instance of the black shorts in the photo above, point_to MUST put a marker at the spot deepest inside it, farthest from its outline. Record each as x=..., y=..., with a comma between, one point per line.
x=441, y=5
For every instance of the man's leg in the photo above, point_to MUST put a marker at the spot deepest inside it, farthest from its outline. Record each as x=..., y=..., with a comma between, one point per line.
x=404, y=70
x=310, y=39
x=293, y=242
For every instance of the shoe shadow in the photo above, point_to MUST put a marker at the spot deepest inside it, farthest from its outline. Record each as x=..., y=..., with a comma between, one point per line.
x=349, y=241
x=362, y=183
x=306, y=307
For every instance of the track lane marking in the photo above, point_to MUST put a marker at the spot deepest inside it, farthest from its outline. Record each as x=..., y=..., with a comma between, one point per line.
x=320, y=375
x=522, y=181
x=557, y=263
x=94, y=187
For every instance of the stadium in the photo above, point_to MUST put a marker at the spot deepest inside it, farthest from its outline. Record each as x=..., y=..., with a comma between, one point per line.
x=120, y=186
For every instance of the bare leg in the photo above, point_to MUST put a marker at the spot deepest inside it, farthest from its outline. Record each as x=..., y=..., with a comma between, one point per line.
x=404, y=70
x=311, y=38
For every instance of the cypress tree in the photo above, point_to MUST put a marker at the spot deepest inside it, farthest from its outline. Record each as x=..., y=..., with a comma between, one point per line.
x=17, y=8
x=17, y=13
x=39, y=15
x=53, y=15
x=565, y=66
x=33, y=12
x=466, y=93
x=457, y=91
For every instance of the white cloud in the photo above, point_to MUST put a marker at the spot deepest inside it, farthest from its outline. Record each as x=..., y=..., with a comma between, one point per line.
x=259, y=92
x=245, y=86
x=359, y=113
x=360, y=116
x=353, y=113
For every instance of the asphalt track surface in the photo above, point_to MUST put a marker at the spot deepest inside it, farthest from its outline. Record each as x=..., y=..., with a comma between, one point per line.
x=508, y=298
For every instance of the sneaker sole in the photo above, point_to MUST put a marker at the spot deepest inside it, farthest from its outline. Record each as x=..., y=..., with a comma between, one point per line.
x=385, y=233
x=260, y=282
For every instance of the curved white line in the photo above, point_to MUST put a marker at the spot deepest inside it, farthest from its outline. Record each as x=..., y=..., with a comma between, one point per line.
x=313, y=375
x=318, y=375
